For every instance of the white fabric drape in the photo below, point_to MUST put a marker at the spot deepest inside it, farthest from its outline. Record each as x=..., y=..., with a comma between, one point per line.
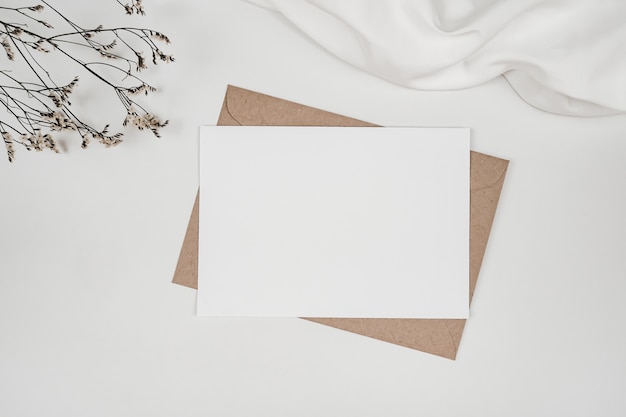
x=562, y=56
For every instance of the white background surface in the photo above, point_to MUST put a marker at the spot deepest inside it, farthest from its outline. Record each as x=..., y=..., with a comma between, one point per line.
x=91, y=325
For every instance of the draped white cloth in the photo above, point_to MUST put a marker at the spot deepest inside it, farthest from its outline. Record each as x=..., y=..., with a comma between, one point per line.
x=562, y=56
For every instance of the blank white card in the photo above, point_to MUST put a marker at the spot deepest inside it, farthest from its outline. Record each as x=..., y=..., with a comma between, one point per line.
x=334, y=222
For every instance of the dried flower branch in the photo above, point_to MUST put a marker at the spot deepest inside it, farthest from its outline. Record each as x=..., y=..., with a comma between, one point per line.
x=36, y=104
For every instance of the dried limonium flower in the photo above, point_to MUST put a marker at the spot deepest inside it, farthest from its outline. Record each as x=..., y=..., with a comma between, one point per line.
x=134, y=7
x=144, y=121
x=37, y=104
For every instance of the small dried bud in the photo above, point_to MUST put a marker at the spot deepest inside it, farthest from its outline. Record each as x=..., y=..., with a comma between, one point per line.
x=143, y=88
x=159, y=36
x=141, y=61
x=8, y=142
x=55, y=99
x=49, y=143
x=106, y=54
x=86, y=140
x=59, y=121
x=46, y=24
x=7, y=48
x=109, y=46
x=39, y=46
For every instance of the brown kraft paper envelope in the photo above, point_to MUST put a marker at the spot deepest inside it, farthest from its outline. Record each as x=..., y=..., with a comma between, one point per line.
x=436, y=336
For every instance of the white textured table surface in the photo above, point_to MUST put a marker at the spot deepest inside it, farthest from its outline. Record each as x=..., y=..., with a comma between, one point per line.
x=91, y=325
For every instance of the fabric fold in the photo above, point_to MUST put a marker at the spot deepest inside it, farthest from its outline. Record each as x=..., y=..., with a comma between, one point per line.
x=564, y=57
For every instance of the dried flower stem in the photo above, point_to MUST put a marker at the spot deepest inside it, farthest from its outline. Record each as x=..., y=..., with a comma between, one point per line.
x=36, y=105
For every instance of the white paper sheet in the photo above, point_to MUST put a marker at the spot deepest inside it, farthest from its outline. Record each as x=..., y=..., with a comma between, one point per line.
x=334, y=222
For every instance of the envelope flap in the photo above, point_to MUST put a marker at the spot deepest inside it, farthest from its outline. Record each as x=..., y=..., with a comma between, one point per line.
x=486, y=171
x=249, y=108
